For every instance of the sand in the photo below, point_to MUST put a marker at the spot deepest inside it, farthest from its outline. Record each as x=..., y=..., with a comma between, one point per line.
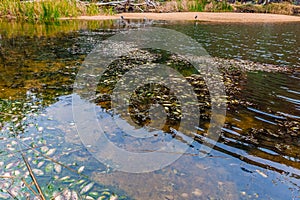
x=201, y=16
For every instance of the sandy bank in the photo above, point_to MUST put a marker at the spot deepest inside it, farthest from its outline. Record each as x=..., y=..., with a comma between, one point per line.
x=202, y=16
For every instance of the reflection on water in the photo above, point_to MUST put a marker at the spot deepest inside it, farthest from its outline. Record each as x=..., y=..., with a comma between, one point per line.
x=256, y=157
x=265, y=43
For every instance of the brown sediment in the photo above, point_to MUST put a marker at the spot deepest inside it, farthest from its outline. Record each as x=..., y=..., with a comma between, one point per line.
x=201, y=16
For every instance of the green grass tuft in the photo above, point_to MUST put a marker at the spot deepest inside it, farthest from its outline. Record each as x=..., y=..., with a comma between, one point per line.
x=44, y=11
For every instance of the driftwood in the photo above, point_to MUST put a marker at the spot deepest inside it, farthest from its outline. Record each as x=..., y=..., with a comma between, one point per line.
x=125, y=4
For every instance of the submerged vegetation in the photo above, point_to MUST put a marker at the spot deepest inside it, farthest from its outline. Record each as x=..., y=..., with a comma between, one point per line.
x=38, y=65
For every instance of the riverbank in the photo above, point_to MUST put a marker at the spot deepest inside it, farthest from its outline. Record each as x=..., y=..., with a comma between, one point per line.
x=201, y=16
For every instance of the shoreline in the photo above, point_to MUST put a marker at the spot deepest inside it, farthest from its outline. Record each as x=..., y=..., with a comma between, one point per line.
x=201, y=16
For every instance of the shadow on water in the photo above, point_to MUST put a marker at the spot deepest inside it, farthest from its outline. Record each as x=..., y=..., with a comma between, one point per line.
x=256, y=157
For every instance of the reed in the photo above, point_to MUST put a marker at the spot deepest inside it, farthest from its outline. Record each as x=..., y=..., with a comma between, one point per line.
x=44, y=11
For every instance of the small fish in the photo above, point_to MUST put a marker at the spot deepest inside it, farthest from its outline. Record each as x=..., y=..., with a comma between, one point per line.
x=86, y=188
x=57, y=168
x=59, y=197
x=67, y=194
x=51, y=152
x=113, y=197
x=261, y=173
x=38, y=172
x=9, y=165
x=40, y=164
x=44, y=149
x=64, y=178
x=80, y=170
x=74, y=195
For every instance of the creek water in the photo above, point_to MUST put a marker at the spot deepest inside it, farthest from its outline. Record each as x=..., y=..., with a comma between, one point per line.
x=255, y=157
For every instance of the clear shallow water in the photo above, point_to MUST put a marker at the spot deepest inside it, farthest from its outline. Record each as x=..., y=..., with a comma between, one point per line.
x=38, y=66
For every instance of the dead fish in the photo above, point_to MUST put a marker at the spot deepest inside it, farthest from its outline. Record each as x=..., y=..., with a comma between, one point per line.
x=74, y=195
x=67, y=194
x=261, y=173
x=86, y=188
x=50, y=152
x=113, y=197
x=38, y=172
x=80, y=170
x=57, y=168
x=44, y=149
x=40, y=164
x=9, y=165
x=64, y=178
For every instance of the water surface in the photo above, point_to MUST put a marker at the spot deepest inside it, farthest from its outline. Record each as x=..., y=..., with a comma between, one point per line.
x=256, y=157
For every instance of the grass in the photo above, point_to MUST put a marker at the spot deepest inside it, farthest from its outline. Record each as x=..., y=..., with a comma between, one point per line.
x=52, y=10
x=45, y=11
x=274, y=8
x=222, y=6
x=195, y=6
x=108, y=10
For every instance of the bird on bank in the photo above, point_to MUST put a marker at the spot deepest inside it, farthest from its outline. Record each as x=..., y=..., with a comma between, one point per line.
x=124, y=21
x=196, y=17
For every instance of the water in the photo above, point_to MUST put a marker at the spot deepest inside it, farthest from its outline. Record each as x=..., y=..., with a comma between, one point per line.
x=256, y=157
x=265, y=43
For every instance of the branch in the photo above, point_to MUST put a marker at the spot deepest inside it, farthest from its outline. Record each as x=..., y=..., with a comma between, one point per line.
x=33, y=178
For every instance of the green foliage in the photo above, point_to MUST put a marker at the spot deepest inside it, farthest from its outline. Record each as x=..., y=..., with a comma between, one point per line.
x=50, y=13
x=197, y=5
x=92, y=9
x=45, y=11
x=109, y=10
x=179, y=3
x=275, y=8
x=221, y=6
